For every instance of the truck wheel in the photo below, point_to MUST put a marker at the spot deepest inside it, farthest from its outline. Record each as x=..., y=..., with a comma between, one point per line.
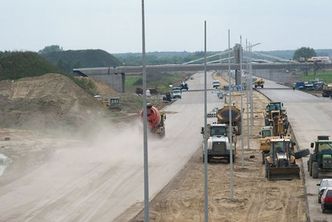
x=314, y=168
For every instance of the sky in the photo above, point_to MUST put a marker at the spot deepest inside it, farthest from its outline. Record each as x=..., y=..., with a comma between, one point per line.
x=171, y=25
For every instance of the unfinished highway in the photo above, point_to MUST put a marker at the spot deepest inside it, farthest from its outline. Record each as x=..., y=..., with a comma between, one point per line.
x=309, y=117
x=98, y=180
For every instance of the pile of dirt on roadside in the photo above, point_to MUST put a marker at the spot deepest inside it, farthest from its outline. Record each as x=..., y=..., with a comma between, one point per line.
x=49, y=100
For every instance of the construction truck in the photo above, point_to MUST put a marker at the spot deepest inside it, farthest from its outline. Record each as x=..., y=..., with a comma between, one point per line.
x=223, y=117
x=259, y=83
x=218, y=145
x=280, y=160
x=327, y=90
x=156, y=120
x=320, y=160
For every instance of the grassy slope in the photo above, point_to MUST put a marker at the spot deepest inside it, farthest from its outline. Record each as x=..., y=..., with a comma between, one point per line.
x=326, y=76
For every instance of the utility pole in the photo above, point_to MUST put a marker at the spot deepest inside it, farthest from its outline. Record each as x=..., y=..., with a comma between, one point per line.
x=230, y=117
x=247, y=90
x=242, y=143
x=145, y=135
x=251, y=93
x=206, y=193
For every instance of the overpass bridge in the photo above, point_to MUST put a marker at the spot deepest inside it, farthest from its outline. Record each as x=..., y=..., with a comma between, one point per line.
x=137, y=70
x=115, y=76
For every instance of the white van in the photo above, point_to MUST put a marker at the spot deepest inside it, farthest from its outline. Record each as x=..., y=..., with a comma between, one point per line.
x=215, y=84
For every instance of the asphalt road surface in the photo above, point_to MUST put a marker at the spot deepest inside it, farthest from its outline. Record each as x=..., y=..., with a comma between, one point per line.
x=98, y=180
x=309, y=116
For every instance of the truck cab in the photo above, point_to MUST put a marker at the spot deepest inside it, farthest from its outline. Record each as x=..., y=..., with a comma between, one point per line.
x=219, y=147
x=266, y=131
x=218, y=142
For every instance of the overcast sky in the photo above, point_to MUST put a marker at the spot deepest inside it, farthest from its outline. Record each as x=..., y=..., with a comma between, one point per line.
x=171, y=25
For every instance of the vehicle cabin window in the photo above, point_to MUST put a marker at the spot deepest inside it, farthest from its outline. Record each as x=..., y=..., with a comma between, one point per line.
x=329, y=193
x=218, y=131
x=266, y=133
x=324, y=146
x=280, y=146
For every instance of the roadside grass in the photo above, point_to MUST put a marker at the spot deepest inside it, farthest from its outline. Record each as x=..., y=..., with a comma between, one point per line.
x=326, y=76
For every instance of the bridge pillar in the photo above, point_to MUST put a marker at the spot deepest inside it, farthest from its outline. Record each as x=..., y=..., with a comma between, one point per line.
x=238, y=52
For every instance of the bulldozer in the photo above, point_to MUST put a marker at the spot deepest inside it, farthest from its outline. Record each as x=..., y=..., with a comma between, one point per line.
x=280, y=161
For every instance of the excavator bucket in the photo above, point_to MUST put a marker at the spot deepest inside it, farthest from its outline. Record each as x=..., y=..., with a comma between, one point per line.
x=283, y=173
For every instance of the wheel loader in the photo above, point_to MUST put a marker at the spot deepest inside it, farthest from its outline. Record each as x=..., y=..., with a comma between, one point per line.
x=280, y=160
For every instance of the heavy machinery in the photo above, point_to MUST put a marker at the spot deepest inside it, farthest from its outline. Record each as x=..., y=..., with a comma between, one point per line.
x=276, y=116
x=259, y=83
x=327, y=90
x=280, y=160
x=223, y=117
x=156, y=120
x=321, y=159
x=266, y=134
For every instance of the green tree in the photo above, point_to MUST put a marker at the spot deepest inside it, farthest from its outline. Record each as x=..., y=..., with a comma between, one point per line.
x=304, y=53
x=51, y=48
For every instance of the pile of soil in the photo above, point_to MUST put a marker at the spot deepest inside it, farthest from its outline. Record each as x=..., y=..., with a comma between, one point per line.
x=49, y=100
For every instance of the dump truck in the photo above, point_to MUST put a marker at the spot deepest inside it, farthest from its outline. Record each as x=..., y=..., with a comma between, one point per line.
x=280, y=160
x=327, y=90
x=223, y=117
x=156, y=120
x=259, y=83
x=320, y=161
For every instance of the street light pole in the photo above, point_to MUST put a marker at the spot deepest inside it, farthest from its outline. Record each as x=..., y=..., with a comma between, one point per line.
x=206, y=193
x=230, y=117
x=247, y=91
x=145, y=134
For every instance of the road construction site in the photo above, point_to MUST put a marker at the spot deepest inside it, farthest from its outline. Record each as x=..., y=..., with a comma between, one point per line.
x=96, y=173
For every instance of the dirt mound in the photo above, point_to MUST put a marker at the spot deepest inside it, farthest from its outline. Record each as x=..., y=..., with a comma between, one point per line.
x=45, y=101
x=104, y=89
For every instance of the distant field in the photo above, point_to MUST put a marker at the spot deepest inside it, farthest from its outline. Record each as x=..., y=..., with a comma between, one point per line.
x=159, y=81
x=326, y=76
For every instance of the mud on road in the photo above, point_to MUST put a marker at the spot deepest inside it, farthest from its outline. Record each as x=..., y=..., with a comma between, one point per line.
x=255, y=198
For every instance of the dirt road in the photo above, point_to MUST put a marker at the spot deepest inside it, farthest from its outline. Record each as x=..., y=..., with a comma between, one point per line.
x=256, y=199
x=99, y=175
